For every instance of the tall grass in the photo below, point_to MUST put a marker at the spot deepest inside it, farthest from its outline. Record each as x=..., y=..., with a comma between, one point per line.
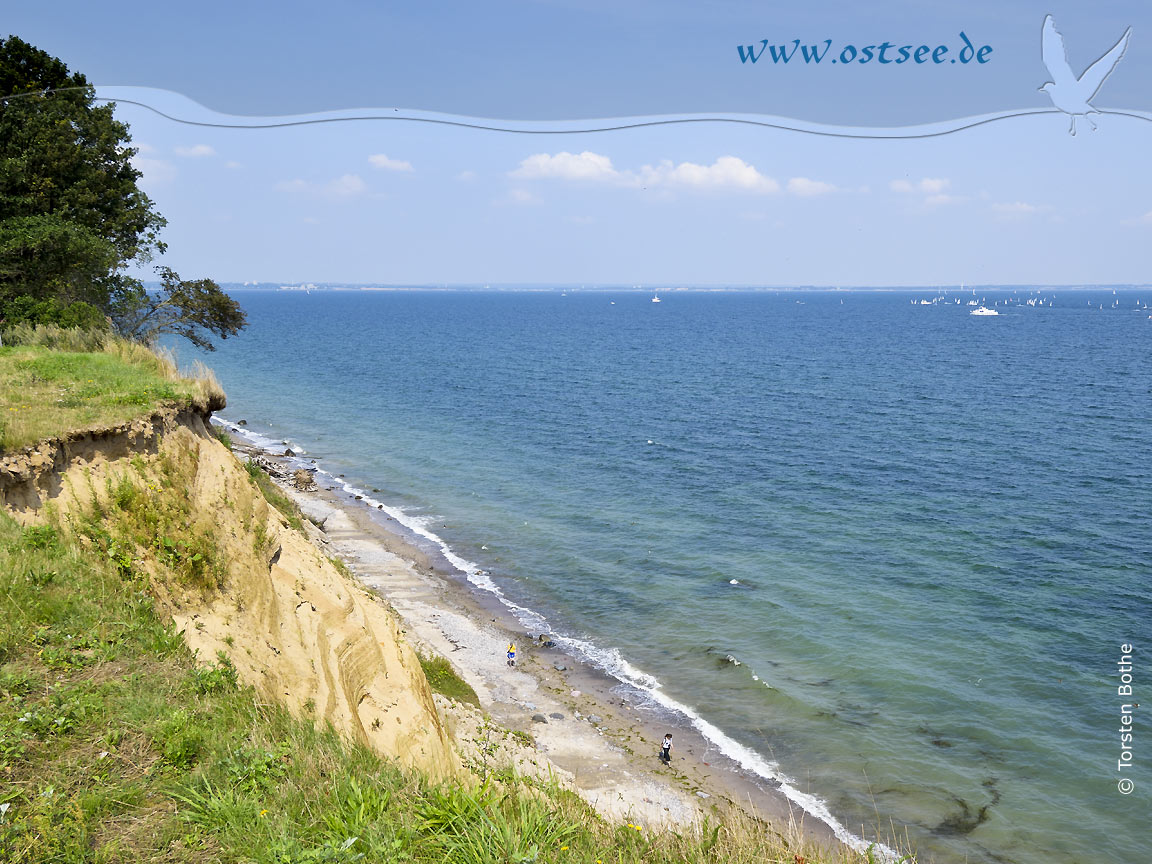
x=57, y=338
x=55, y=380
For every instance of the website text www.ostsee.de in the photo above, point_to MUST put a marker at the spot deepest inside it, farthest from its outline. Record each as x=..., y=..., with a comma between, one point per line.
x=882, y=54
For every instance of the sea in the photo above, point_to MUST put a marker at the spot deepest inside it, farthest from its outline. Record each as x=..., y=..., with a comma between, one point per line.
x=880, y=551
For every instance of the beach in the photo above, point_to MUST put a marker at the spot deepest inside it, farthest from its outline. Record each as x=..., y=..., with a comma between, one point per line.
x=588, y=734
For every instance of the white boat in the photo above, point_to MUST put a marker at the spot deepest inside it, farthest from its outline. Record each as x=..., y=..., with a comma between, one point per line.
x=656, y=297
x=983, y=310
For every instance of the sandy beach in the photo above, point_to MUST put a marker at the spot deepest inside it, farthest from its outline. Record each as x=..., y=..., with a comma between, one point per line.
x=589, y=732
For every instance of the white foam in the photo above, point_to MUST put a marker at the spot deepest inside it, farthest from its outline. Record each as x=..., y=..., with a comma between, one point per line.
x=270, y=445
x=608, y=660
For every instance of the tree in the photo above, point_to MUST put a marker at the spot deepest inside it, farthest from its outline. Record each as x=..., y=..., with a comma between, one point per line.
x=191, y=309
x=72, y=216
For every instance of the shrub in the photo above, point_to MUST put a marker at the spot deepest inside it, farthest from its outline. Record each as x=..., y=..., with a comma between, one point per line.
x=442, y=678
x=215, y=679
x=41, y=537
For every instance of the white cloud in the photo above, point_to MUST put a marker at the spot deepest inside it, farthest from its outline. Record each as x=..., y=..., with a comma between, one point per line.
x=154, y=170
x=933, y=190
x=466, y=176
x=233, y=165
x=1017, y=210
x=566, y=166
x=941, y=200
x=926, y=186
x=727, y=172
x=388, y=164
x=806, y=188
x=1146, y=219
x=517, y=195
x=198, y=151
x=341, y=188
x=347, y=186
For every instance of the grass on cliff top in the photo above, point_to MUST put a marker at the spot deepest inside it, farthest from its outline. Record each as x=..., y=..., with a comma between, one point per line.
x=56, y=381
x=115, y=745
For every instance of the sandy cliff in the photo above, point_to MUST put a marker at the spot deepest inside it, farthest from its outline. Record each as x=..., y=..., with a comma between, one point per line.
x=295, y=627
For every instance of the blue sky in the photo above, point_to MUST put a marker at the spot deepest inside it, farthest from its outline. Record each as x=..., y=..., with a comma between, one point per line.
x=1018, y=201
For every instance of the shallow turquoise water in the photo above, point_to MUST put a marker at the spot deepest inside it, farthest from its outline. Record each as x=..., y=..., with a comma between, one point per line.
x=938, y=524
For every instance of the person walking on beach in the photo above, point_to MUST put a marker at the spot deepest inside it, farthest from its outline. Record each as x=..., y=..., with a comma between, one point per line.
x=666, y=749
x=511, y=653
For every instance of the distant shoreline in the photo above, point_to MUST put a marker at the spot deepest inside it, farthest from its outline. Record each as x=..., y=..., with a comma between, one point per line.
x=553, y=288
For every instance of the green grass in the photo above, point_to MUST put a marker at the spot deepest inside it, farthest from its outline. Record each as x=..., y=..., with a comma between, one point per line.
x=274, y=496
x=46, y=393
x=442, y=678
x=116, y=746
x=146, y=512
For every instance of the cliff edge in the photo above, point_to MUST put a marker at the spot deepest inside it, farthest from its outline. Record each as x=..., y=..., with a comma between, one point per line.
x=236, y=577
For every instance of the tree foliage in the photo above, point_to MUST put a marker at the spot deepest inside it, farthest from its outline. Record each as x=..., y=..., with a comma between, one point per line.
x=72, y=216
x=192, y=309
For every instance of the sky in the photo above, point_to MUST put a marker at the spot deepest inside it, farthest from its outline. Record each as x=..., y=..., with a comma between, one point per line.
x=1015, y=201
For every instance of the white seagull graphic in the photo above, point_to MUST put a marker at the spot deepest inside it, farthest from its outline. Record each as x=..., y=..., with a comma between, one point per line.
x=1070, y=94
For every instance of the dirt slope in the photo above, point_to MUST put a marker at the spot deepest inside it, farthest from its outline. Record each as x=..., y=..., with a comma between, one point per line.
x=295, y=627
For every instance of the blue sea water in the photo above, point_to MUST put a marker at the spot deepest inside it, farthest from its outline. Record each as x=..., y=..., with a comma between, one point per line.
x=924, y=535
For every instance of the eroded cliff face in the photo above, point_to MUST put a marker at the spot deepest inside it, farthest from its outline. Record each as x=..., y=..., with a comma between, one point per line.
x=296, y=628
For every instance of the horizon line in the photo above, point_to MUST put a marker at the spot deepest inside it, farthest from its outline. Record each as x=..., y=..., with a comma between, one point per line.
x=642, y=288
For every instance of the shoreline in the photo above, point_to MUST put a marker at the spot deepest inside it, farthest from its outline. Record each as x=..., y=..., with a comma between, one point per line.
x=594, y=730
